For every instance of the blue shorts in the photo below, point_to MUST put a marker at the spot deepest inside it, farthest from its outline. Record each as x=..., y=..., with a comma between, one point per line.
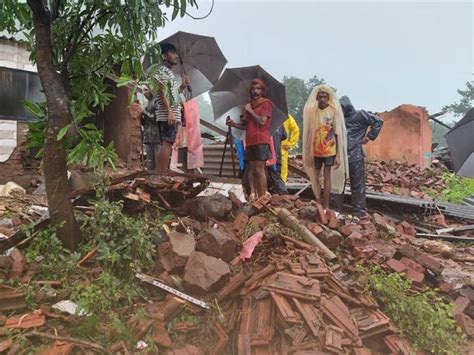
x=167, y=132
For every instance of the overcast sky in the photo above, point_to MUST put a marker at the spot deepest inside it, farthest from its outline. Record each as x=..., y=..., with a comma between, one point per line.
x=381, y=54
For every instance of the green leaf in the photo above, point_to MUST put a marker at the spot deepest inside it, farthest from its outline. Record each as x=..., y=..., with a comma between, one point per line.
x=63, y=132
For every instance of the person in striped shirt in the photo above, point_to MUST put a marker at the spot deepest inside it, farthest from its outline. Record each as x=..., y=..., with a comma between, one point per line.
x=168, y=106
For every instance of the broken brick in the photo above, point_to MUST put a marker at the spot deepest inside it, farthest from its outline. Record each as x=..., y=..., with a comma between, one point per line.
x=438, y=219
x=295, y=286
x=413, y=265
x=222, y=340
x=175, y=253
x=396, y=265
x=311, y=316
x=315, y=228
x=415, y=276
x=35, y=319
x=397, y=345
x=262, y=201
x=161, y=336
x=215, y=243
x=347, y=229
x=356, y=239
x=466, y=323
x=284, y=309
x=340, y=315
x=233, y=285
x=333, y=339
x=259, y=221
x=261, y=322
x=204, y=274
x=299, y=204
x=240, y=222
x=408, y=228
x=461, y=304
x=330, y=238
x=19, y=263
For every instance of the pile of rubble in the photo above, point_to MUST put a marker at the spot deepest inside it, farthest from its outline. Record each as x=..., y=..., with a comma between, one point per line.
x=256, y=275
x=400, y=178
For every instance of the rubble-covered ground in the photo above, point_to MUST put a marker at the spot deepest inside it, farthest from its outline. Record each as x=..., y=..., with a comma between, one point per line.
x=400, y=178
x=258, y=283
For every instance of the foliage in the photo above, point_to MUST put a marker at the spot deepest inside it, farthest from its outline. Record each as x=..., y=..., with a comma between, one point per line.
x=124, y=243
x=105, y=293
x=424, y=318
x=91, y=40
x=465, y=103
x=458, y=188
x=297, y=92
x=53, y=261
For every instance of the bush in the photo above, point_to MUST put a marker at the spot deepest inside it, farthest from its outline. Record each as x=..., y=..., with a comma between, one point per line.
x=124, y=243
x=458, y=188
x=424, y=318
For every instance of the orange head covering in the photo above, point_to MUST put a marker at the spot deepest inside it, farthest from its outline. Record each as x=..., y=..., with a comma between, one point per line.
x=262, y=99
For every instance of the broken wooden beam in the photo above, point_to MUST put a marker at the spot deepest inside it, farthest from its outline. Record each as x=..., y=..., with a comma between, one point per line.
x=289, y=220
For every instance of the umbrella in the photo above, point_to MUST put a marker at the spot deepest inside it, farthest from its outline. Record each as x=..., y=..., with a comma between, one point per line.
x=231, y=93
x=201, y=60
x=461, y=145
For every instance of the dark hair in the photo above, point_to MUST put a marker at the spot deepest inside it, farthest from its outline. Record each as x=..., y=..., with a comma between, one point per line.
x=167, y=47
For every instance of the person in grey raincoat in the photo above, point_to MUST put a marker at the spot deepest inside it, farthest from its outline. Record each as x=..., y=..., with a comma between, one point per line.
x=357, y=124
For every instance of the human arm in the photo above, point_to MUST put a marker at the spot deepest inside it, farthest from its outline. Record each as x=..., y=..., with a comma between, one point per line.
x=260, y=119
x=375, y=123
x=167, y=105
x=231, y=123
x=337, y=162
x=293, y=132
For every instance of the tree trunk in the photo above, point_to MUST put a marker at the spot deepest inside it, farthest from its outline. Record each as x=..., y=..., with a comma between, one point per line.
x=54, y=161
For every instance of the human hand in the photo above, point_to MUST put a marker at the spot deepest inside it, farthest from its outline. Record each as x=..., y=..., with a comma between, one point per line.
x=337, y=162
x=171, y=119
x=248, y=108
x=229, y=121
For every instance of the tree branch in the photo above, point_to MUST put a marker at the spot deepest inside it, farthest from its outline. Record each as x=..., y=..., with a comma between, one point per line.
x=78, y=40
x=69, y=340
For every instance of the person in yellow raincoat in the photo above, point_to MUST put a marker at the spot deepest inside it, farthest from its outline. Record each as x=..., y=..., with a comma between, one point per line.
x=293, y=134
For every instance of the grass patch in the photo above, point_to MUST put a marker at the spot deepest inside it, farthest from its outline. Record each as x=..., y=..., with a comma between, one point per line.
x=423, y=317
x=457, y=189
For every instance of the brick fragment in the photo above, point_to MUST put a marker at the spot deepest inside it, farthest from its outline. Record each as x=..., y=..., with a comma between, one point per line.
x=396, y=265
x=413, y=265
x=315, y=228
x=240, y=222
x=415, y=276
x=466, y=323
x=356, y=239
x=408, y=228
x=299, y=204
x=461, y=304
x=347, y=229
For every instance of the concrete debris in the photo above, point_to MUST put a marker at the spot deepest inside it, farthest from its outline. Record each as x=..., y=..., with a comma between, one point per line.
x=201, y=208
x=215, y=243
x=204, y=274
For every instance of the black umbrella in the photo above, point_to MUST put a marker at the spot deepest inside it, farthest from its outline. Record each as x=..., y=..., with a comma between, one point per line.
x=231, y=93
x=201, y=60
x=461, y=145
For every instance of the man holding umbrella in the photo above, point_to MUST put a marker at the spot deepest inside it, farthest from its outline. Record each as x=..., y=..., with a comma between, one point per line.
x=167, y=91
x=256, y=122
